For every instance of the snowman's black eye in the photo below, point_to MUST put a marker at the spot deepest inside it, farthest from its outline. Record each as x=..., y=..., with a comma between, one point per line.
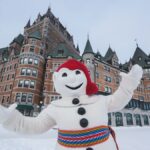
x=78, y=72
x=64, y=74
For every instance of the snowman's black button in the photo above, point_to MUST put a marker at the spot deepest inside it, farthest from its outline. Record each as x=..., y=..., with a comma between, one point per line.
x=84, y=122
x=89, y=148
x=81, y=111
x=75, y=101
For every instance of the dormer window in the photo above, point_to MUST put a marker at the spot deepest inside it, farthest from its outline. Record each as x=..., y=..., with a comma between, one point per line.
x=60, y=52
x=140, y=58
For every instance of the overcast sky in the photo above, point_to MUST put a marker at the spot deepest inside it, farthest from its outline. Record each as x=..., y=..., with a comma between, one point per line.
x=108, y=22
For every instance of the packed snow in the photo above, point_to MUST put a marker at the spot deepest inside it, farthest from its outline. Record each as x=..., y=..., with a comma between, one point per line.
x=129, y=138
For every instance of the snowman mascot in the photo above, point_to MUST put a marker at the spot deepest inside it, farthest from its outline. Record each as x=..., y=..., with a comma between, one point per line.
x=81, y=115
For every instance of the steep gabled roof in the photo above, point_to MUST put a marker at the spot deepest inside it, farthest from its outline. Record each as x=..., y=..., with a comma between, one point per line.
x=36, y=35
x=88, y=47
x=109, y=54
x=19, y=39
x=98, y=55
x=139, y=57
x=65, y=52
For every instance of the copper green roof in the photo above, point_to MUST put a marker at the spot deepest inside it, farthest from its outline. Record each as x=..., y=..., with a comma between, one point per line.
x=88, y=47
x=19, y=39
x=3, y=49
x=61, y=51
x=36, y=35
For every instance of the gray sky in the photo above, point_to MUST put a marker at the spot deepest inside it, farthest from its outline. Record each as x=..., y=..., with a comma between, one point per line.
x=114, y=22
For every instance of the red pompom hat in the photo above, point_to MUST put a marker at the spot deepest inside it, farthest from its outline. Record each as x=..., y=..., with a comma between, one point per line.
x=73, y=64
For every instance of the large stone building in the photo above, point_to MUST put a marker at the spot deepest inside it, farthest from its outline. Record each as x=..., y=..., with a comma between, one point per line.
x=27, y=65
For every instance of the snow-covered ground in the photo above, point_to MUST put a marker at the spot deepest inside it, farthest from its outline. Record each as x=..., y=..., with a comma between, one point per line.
x=131, y=138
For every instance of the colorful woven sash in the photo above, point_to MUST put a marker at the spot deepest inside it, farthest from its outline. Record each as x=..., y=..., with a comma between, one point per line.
x=83, y=138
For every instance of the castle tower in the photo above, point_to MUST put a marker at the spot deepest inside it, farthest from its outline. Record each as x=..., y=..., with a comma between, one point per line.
x=27, y=89
x=88, y=58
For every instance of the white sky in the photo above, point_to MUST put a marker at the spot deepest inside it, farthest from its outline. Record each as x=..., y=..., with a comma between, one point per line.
x=114, y=22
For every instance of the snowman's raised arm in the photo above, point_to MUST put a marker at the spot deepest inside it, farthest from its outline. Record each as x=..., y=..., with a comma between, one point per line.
x=123, y=94
x=28, y=125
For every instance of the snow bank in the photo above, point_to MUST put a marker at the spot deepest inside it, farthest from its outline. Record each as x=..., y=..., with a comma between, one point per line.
x=129, y=138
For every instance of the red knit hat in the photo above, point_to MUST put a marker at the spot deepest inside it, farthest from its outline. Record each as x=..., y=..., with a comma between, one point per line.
x=73, y=64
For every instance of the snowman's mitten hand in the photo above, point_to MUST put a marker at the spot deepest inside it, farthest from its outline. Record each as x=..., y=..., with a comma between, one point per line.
x=6, y=113
x=133, y=78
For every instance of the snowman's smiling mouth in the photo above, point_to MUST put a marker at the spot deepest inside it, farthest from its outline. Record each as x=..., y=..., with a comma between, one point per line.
x=74, y=88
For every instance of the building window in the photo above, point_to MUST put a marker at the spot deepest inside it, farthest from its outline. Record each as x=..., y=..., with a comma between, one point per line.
x=117, y=80
x=26, y=83
x=28, y=73
x=108, y=79
x=140, y=58
x=18, y=97
x=23, y=71
x=55, y=97
x=109, y=118
x=36, y=62
x=1, y=78
x=108, y=89
x=34, y=73
x=55, y=66
x=138, y=120
x=119, y=119
x=30, y=61
x=25, y=60
x=32, y=84
x=32, y=49
x=129, y=119
x=60, y=52
x=41, y=52
x=24, y=97
x=5, y=88
x=141, y=98
x=8, y=77
x=3, y=99
x=146, y=121
x=22, y=49
x=88, y=61
x=106, y=68
x=21, y=61
x=30, y=97
x=15, y=66
x=97, y=75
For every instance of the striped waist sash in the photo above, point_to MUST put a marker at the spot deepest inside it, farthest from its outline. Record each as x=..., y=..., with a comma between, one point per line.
x=83, y=138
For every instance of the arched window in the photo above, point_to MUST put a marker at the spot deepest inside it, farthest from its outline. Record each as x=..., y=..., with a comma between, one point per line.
x=146, y=121
x=129, y=119
x=119, y=119
x=138, y=120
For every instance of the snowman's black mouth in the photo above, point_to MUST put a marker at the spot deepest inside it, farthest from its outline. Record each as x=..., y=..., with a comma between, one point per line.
x=74, y=88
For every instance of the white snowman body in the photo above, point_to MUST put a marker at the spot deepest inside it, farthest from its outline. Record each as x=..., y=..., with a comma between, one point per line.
x=69, y=117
